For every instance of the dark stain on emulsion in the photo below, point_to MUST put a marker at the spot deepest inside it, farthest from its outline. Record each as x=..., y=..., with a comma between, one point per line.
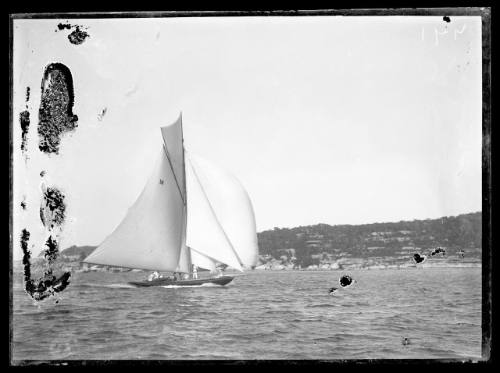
x=438, y=250
x=62, y=26
x=446, y=19
x=56, y=107
x=24, y=119
x=52, y=251
x=46, y=286
x=77, y=36
x=53, y=209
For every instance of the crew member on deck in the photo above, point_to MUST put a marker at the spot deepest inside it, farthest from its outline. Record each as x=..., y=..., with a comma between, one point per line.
x=195, y=272
x=153, y=276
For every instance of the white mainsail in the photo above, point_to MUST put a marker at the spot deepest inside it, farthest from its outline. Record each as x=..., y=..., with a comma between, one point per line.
x=150, y=235
x=190, y=212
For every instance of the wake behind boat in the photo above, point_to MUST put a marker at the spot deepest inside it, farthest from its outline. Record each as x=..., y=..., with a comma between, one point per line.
x=191, y=214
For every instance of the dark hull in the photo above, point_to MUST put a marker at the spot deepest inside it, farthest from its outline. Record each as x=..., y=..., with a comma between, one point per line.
x=223, y=280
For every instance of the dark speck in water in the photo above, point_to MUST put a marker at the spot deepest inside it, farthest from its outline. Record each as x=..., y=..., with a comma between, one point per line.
x=418, y=258
x=345, y=280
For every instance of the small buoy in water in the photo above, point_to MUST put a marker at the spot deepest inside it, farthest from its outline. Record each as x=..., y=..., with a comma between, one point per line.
x=419, y=258
x=332, y=290
x=345, y=280
x=405, y=341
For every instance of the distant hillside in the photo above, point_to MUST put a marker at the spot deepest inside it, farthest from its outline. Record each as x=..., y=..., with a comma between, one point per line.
x=387, y=241
x=81, y=251
x=375, y=240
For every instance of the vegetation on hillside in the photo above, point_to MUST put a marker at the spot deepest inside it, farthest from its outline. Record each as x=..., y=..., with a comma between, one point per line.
x=368, y=240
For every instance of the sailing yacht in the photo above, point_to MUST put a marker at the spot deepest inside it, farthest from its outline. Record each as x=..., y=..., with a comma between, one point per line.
x=190, y=213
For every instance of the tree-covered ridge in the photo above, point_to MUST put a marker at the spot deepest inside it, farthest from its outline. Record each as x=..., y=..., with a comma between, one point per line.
x=377, y=239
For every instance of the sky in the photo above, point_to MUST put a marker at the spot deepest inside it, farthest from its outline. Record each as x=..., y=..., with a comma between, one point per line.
x=324, y=119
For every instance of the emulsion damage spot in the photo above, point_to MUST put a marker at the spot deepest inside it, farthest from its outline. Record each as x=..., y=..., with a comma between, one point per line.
x=345, y=280
x=56, y=107
x=78, y=36
x=52, y=251
x=438, y=250
x=62, y=26
x=53, y=209
x=23, y=203
x=24, y=119
x=49, y=284
x=418, y=258
x=25, y=236
x=101, y=115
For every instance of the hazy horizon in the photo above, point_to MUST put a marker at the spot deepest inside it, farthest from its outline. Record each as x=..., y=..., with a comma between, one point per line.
x=324, y=120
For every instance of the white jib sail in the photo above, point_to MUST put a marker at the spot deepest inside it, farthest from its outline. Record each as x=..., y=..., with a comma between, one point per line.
x=202, y=261
x=203, y=231
x=151, y=234
x=231, y=205
x=185, y=260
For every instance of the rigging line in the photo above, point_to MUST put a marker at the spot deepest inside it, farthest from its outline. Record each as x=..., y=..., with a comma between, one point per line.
x=172, y=168
x=215, y=215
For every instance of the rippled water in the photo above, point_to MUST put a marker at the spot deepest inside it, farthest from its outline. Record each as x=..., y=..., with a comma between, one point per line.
x=260, y=315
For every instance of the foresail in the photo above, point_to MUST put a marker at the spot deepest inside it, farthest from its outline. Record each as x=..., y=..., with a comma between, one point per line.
x=231, y=206
x=202, y=261
x=203, y=231
x=150, y=236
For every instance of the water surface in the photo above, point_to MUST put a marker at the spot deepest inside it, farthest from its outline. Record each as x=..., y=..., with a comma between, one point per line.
x=260, y=315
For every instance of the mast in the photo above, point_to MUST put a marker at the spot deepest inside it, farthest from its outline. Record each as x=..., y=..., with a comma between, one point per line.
x=188, y=251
